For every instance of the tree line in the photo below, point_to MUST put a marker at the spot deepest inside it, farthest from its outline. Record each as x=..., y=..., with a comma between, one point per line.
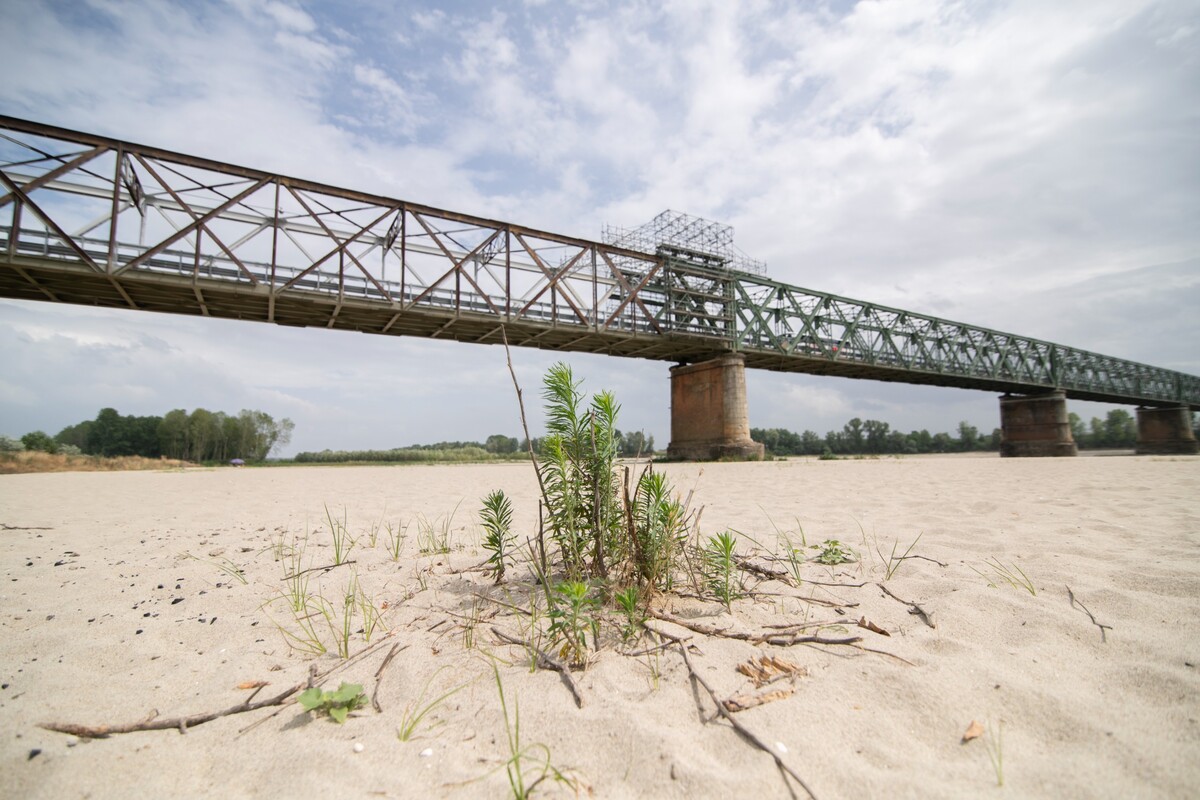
x=202, y=435
x=1118, y=430
x=497, y=446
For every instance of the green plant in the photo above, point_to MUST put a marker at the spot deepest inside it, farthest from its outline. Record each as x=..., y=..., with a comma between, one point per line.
x=433, y=536
x=224, y=564
x=894, y=562
x=572, y=617
x=337, y=705
x=418, y=709
x=343, y=542
x=630, y=602
x=373, y=531
x=659, y=530
x=1014, y=576
x=833, y=552
x=577, y=475
x=720, y=570
x=995, y=750
x=827, y=455
x=515, y=768
x=498, y=538
x=396, y=536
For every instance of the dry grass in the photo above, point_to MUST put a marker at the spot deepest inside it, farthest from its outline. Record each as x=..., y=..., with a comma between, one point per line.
x=35, y=461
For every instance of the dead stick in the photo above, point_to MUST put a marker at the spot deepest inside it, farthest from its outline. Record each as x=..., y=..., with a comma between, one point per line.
x=314, y=569
x=756, y=638
x=524, y=425
x=925, y=616
x=1102, y=627
x=153, y=723
x=737, y=725
x=548, y=661
x=386, y=660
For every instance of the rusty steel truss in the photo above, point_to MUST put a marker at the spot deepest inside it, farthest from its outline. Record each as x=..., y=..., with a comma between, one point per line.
x=95, y=221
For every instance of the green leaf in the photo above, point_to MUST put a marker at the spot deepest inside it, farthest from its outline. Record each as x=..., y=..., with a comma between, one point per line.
x=346, y=693
x=339, y=714
x=310, y=699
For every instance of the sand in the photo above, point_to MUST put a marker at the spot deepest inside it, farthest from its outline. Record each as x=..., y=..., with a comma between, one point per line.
x=114, y=605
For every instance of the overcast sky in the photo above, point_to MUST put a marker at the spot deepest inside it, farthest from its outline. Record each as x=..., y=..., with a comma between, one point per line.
x=1032, y=167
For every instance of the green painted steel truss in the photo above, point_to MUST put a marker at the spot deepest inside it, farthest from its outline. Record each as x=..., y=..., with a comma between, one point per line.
x=91, y=220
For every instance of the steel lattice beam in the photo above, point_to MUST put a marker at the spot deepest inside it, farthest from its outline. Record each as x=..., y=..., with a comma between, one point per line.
x=96, y=221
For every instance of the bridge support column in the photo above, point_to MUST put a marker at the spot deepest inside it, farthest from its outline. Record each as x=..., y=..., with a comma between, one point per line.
x=1166, y=432
x=709, y=419
x=1036, y=425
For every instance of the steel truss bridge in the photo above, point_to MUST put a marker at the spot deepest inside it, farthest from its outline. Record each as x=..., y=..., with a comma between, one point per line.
x=95, y=221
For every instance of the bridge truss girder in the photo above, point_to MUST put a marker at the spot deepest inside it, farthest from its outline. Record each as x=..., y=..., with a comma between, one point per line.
x=95, y=221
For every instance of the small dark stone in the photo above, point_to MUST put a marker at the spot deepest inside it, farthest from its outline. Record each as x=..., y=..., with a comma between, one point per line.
x=34, y=753
x=146, y=614
x=177, y=600
x=138, y=631
x=211, y=621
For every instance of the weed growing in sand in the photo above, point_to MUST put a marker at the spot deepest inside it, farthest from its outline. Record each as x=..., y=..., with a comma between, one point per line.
x=224, y=564
x=572, y=617
x=373, y=531
x=370, y=613
x=417, y=710
x=994, y=745
x=337, y=705
x=630, y=602
x=517, y=767
x=343, y=542
x=833, y=552
x=894, y=562
x=720, y=570
x=498, y=538
x=433, y=537
x=396, y=536
x=1014, y=576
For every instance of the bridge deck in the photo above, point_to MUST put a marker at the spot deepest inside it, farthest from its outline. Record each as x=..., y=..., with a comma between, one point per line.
x=107, y=223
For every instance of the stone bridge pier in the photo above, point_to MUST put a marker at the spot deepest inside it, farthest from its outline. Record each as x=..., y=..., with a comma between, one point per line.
x=1166, y=432
x=1036, y=425
x=709, y=418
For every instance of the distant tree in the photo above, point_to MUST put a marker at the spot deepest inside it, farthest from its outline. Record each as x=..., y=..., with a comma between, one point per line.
x=1120, y=429
x=853, y=431
x=10, y=445
x=1096, y=436
x=173, y=434
x=876, y=435
x=811, y=444
x=631, y=445
x=75, y=435
x=968, y=437
x=1078, y=430
x=997, y=437
x=39, y=440
x=941, y=443
x=501, y=444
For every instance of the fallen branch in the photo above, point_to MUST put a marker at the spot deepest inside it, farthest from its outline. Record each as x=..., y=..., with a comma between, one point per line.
x=154, y=723
x=745, y=732
x=1102, y=627
x=315, y=569
x=774, y=638
x=547, y=661
x=925, y=616
x=386, y=660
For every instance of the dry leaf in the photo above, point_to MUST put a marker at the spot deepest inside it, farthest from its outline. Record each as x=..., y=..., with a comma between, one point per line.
x=863, y=622
x=974, y=731
x=765, y=669
x=743, y=701
x=251, y=684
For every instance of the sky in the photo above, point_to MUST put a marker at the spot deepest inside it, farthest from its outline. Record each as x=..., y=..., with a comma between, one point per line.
x=1025, y=166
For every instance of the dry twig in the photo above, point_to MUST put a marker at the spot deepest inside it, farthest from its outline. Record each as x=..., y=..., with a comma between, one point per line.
x=547, y=661
x=1102, y=627
x=915, y=609
x=745, y=732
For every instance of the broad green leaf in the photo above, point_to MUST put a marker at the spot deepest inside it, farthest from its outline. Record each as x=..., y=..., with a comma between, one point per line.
x=310, y=698
x=338, y=713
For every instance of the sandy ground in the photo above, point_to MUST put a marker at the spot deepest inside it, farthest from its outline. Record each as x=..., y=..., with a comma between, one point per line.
x=115, y=604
